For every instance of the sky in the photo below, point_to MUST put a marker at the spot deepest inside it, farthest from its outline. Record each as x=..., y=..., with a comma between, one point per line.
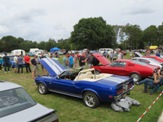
x=40, y=20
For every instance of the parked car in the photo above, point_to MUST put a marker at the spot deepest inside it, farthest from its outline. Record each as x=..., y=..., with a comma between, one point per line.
x=124, y=67
x=16, y=105
x=150, y=61
x=159, y=59
x=85, y=84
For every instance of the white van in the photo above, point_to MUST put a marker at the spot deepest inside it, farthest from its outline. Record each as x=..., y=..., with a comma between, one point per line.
x=109, y=50
x=18, y=52
x=33, y=50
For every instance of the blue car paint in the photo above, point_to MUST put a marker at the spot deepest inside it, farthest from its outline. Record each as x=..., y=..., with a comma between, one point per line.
x=105, y=89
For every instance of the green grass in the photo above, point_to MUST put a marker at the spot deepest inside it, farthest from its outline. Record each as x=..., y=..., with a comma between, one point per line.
x=71, y=109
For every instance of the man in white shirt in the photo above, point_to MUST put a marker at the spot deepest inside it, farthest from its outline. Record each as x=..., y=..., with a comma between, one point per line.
x=16, y=63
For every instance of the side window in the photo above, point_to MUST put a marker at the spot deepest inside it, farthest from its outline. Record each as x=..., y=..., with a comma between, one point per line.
x=114, y=64
x=142, y=60
x=147, y=61
x=122, y=64
x=119, y=64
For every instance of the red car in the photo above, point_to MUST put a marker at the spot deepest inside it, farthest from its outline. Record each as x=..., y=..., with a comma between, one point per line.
x=124, y=67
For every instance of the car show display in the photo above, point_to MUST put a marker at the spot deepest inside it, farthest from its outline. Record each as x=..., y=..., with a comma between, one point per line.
x=124, y=67
x=85, y=84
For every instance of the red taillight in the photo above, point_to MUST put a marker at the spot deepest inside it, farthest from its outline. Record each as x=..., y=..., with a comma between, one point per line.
x=110, y=96
x=120, y=91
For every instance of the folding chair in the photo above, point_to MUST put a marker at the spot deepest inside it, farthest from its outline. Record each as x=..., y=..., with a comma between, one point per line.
x=156, y=87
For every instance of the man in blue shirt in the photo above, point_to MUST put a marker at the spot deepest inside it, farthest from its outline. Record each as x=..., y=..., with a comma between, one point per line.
x=71, y=61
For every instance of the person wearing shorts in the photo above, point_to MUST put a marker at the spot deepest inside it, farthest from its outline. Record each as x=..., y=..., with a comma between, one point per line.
x=35, y=69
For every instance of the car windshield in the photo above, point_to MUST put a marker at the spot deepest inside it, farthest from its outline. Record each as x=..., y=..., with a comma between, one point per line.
x=14, y=100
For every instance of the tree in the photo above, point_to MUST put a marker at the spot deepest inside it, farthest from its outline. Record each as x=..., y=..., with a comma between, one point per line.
x=9, y=42
x=65, y=44
x=150, y=35
x=160, y=35
x=133, y=34
x=92, y=33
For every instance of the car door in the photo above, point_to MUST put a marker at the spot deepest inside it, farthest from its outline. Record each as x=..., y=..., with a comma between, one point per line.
x=119, y=68
x=64, y=86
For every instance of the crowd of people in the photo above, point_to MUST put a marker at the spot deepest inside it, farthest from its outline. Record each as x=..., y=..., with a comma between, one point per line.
x=19, y=63
x=75, y=60
x=69, y=61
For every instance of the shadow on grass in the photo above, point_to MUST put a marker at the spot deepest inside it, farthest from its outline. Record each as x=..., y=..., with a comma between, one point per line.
x=78, y=100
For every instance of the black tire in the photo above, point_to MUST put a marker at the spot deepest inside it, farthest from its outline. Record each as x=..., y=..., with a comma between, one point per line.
x=42, y=89
x=136, y=77
x=91, y=100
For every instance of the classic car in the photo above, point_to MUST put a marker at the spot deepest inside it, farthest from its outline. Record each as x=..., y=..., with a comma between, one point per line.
x=85, y=84
x=124, y=67
x=150, y=61
x=159, y=59
x=16, y=105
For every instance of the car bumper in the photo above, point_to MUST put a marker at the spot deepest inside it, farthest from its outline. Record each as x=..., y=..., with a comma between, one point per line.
x=117, y=98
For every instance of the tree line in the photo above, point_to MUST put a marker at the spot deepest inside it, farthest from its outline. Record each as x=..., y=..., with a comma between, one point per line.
x=93, y=33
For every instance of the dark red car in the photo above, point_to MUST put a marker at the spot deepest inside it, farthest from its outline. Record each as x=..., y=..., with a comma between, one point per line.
x=124, y=67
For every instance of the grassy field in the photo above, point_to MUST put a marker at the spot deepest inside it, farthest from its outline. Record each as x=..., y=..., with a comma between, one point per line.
x=71, y=109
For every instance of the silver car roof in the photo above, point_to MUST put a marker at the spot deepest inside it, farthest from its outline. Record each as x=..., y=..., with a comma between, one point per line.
x=4, y=85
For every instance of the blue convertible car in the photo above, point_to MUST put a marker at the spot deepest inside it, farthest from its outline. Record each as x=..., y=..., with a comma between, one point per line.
x=86, y=84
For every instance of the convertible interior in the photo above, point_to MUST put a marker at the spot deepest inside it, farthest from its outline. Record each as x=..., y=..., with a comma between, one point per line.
x=88, y=74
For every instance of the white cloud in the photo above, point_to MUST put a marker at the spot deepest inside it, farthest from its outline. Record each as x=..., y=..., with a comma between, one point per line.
x=40, y=20
x=3, y=29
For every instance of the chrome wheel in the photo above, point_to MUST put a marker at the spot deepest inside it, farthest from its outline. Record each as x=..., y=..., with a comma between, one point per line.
x=136, y=77
x=91, y=100
x=42, y=88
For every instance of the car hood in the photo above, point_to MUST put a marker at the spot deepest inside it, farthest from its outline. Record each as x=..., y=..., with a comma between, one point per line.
x=113, y=80
x=52, y=66
x=138, y=54
x=101, y=58
x=27, y=115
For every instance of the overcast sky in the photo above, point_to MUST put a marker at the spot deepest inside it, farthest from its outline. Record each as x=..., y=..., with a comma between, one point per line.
x=39, y=20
